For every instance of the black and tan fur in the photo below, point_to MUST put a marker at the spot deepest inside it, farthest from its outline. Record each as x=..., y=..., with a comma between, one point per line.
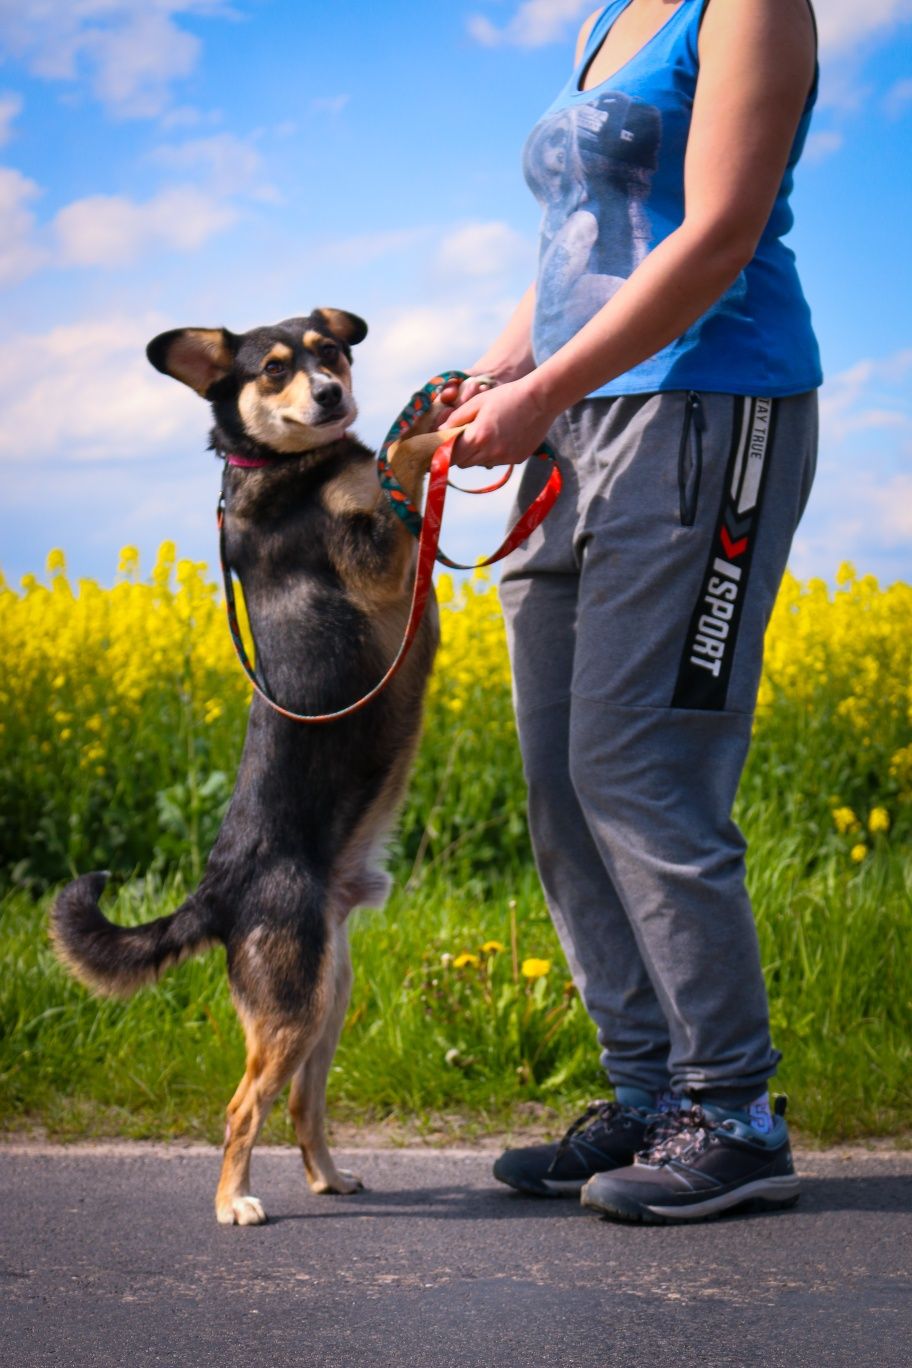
x=327, y=570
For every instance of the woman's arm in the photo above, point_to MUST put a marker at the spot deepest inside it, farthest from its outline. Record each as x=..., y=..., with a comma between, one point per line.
x=756, y=68
x=510, y=356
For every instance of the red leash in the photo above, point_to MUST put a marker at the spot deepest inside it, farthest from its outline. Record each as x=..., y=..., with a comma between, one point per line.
x=428, y=553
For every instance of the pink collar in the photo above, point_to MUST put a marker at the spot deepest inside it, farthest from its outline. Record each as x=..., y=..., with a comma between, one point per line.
x=247, y=462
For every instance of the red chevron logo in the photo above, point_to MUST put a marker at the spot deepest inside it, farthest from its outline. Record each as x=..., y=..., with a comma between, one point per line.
x=733, y=549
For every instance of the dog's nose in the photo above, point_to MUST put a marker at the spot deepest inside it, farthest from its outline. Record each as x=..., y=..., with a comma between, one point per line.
x=327, y=396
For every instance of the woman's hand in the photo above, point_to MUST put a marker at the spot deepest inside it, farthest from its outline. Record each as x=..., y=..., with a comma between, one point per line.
x=502, y=426
x=454, y=394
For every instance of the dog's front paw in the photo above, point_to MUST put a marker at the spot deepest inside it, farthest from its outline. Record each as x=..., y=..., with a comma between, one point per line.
x=242, y=1211
x=340, y=1181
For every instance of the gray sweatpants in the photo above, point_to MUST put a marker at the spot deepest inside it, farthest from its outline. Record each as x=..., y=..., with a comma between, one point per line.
x=635, y=617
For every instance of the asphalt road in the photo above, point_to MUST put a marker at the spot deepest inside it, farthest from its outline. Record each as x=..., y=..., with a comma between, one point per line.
x=111, y=1256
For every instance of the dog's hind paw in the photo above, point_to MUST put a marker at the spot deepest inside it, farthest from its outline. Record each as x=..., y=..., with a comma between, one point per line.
x=242, y=1211
x=341, y=1182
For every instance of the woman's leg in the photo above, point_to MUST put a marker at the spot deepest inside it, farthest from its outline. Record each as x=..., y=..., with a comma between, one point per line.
x=683, y=534
x=539, y=594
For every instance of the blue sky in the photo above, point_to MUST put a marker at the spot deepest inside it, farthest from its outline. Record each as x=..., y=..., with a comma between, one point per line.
x=169, y=162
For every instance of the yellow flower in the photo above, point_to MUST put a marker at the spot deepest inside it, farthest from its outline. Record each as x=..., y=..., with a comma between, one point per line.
x=845, y=820
x=878, y=821
x=846, y=574
x=535, y=968
x=128, y=561
x=492, y=947
x=466, y=959
x=858, y=852
x=56, y=561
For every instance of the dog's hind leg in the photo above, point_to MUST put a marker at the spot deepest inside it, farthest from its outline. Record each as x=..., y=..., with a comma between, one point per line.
x=274, y=1051
x=307, y=1102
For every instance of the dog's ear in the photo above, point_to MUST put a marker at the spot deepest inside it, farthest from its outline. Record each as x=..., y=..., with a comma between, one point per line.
x=345, y=327
x=198, y=357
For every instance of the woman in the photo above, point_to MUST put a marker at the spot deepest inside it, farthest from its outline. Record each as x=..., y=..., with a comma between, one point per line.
x=667, y=349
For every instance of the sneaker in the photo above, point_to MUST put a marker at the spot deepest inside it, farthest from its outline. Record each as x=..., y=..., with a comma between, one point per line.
x=696, y=1164
x=606, y=1136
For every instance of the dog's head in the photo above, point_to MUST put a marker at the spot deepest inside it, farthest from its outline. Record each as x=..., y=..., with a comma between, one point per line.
x=285, y=387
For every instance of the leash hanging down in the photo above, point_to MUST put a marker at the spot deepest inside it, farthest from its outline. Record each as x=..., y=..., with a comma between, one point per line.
x=424, y=527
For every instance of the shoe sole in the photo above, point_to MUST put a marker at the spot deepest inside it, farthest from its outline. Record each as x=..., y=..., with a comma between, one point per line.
x=767, y=1194
x=545, y=1187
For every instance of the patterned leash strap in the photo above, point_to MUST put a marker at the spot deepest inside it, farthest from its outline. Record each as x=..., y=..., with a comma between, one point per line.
x=427, y=530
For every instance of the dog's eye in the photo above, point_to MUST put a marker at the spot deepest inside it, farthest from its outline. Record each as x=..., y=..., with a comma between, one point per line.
x=329, y=351
x=275, y=367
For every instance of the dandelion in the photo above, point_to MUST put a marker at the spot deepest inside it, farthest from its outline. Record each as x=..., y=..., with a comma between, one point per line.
x=858, y=852
x=493, y=947
x=845, y=820
x=535, y=968
x=879, y=821
x=466, y=960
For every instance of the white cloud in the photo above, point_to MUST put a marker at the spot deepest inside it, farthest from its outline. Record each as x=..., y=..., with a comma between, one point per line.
x=114, y=230
x=857, y=514
x=898, y=97
x=111, y=230
x=85, y=392
x=842, y=23
x=362, y=248
x=483, y=249
x=130, y=51
x=10, y=109
x=845, y=23
x=822, y=144
x=535, y=23
x=408, y=345
x=20, y=254
x=329, y=104
x=861, y=504
x=226, y=164
x=873, y=393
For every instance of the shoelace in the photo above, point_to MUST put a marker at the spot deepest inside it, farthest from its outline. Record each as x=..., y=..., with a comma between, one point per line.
x=676, y=1134
x=597, y=1114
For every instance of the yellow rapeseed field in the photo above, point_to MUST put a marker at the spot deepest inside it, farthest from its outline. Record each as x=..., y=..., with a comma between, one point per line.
x=122, y=711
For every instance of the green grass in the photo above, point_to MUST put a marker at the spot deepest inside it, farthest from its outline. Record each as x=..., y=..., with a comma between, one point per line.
x=424, y=1038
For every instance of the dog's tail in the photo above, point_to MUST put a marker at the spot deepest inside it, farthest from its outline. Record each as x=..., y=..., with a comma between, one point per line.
x=116, y=960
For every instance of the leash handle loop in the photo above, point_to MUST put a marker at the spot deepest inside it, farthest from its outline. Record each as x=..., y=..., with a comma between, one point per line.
x=402, y=505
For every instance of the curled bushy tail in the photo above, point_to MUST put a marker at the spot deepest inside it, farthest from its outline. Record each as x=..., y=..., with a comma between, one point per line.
x=116, y=960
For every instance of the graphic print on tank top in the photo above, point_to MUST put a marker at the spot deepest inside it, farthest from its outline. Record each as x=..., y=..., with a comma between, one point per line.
x=590, y=166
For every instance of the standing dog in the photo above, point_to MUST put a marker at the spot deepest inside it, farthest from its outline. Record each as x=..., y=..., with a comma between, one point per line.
x=327, y=570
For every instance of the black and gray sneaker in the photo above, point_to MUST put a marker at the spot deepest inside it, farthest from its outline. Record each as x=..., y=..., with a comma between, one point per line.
x=605, y=1137
x=696, y=1164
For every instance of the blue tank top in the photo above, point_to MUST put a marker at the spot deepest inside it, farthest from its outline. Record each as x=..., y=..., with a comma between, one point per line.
x=607, y=166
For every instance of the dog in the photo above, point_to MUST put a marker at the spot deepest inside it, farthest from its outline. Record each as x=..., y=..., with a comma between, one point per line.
x=327, y=571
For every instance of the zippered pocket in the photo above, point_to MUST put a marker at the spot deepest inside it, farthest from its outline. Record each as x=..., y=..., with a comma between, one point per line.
x=690, y=458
